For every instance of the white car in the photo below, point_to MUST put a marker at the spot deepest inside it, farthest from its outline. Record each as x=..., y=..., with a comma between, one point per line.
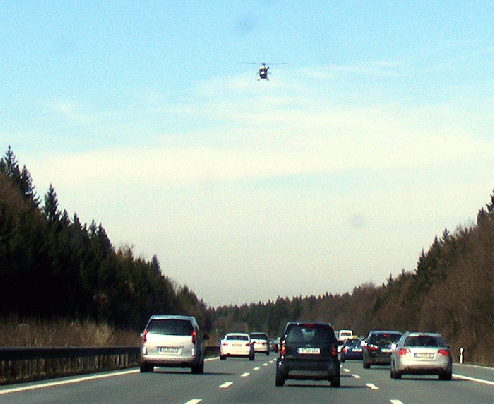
x=237, y=345
x=260, y=341
x=421, y=354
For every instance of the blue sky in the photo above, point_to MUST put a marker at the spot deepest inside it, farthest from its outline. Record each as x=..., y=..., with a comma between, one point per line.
x=374, y=137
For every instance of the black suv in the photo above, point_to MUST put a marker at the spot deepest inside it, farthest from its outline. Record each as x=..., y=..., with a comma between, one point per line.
x=377, y=347
x=308, y=351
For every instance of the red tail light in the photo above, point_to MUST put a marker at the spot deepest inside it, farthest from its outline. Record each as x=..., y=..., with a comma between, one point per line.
x=248, y=344
x=444, y=352
x=144, y=336
x=225, y=344
x=403, y=351
x=283, y=349
x=345, y=350
x=194, y=336
x=371, y=348
x=334, y=351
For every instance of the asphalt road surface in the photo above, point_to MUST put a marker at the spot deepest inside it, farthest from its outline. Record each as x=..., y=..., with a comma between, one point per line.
x=243, y=381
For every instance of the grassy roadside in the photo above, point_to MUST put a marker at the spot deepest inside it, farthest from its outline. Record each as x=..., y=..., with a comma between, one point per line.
x=15, y=332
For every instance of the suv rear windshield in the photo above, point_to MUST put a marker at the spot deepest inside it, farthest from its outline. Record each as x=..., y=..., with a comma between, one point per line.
x=170, y=327
x=309, y=334
x=384, y=338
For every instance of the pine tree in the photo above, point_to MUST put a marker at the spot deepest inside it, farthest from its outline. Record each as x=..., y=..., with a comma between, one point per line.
x=50, y=209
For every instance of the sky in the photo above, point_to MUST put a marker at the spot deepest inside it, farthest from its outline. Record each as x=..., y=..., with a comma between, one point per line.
x=373, y=134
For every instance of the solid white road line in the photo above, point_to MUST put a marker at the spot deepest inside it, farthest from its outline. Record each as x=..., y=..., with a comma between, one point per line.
x=226, y=385
x=473, y=379
x=68, y=381
x=372, y=386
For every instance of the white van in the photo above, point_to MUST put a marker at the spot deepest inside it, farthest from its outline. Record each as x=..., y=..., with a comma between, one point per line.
x=344, y=334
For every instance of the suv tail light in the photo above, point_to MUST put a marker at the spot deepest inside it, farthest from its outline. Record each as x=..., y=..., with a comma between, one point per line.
x=283, y=349
x=144, y=336
x=194, y=336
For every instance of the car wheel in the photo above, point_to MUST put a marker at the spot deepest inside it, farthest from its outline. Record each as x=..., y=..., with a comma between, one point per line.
x=197, y=369
x=222, y=357
x=146, y=367
x=267, y=353
x=335, y=381
x=446, y=375
x=279, y=380
x=251, y=357
x=342, y=360
x=366, y=365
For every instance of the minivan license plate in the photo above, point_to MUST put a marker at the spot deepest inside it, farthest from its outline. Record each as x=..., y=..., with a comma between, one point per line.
x=167, y=349
x=309, y=351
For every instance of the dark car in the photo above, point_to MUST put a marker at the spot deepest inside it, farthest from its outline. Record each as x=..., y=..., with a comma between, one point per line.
x=351, y=350
x=377, y=347
x=308, y=351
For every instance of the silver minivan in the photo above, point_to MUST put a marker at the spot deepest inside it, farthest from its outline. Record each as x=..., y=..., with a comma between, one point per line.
x=173, y=341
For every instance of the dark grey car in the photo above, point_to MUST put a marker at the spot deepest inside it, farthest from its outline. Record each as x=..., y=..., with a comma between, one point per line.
x=377, y=347
x=308, y=350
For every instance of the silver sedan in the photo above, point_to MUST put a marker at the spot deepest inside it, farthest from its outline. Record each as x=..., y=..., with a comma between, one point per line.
x=421, y=354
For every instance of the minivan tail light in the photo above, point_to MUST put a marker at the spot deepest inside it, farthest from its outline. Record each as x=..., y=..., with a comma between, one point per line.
x=194, y=336
x=144, y=336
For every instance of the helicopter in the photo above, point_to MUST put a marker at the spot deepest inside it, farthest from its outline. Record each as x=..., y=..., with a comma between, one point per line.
x=263, y=70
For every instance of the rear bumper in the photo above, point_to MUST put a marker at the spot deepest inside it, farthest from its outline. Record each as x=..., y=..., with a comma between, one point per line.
x=307, y=369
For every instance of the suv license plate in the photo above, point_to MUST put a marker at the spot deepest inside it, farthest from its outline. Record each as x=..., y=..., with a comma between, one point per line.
x=309, y=351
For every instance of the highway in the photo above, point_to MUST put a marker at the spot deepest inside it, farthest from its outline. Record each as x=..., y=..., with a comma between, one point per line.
x=243, y=381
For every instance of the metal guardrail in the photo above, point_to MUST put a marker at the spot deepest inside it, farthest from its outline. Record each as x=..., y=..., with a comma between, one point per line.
x=27, y=364
x=19, y=365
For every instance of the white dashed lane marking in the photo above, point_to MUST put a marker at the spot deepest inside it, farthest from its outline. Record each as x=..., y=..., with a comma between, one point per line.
x=395, y=402
x=226, y=385
x=372, y=386
x=245, y=374
x=194, y=401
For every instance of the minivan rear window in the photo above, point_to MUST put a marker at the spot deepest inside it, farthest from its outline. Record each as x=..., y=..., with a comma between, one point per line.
x=170, y=327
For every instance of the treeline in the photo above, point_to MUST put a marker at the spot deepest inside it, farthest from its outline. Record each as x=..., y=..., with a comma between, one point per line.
x=53, y=266
x=451, y=291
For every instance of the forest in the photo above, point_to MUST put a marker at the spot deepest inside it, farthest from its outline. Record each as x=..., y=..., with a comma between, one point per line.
x=54, y=267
